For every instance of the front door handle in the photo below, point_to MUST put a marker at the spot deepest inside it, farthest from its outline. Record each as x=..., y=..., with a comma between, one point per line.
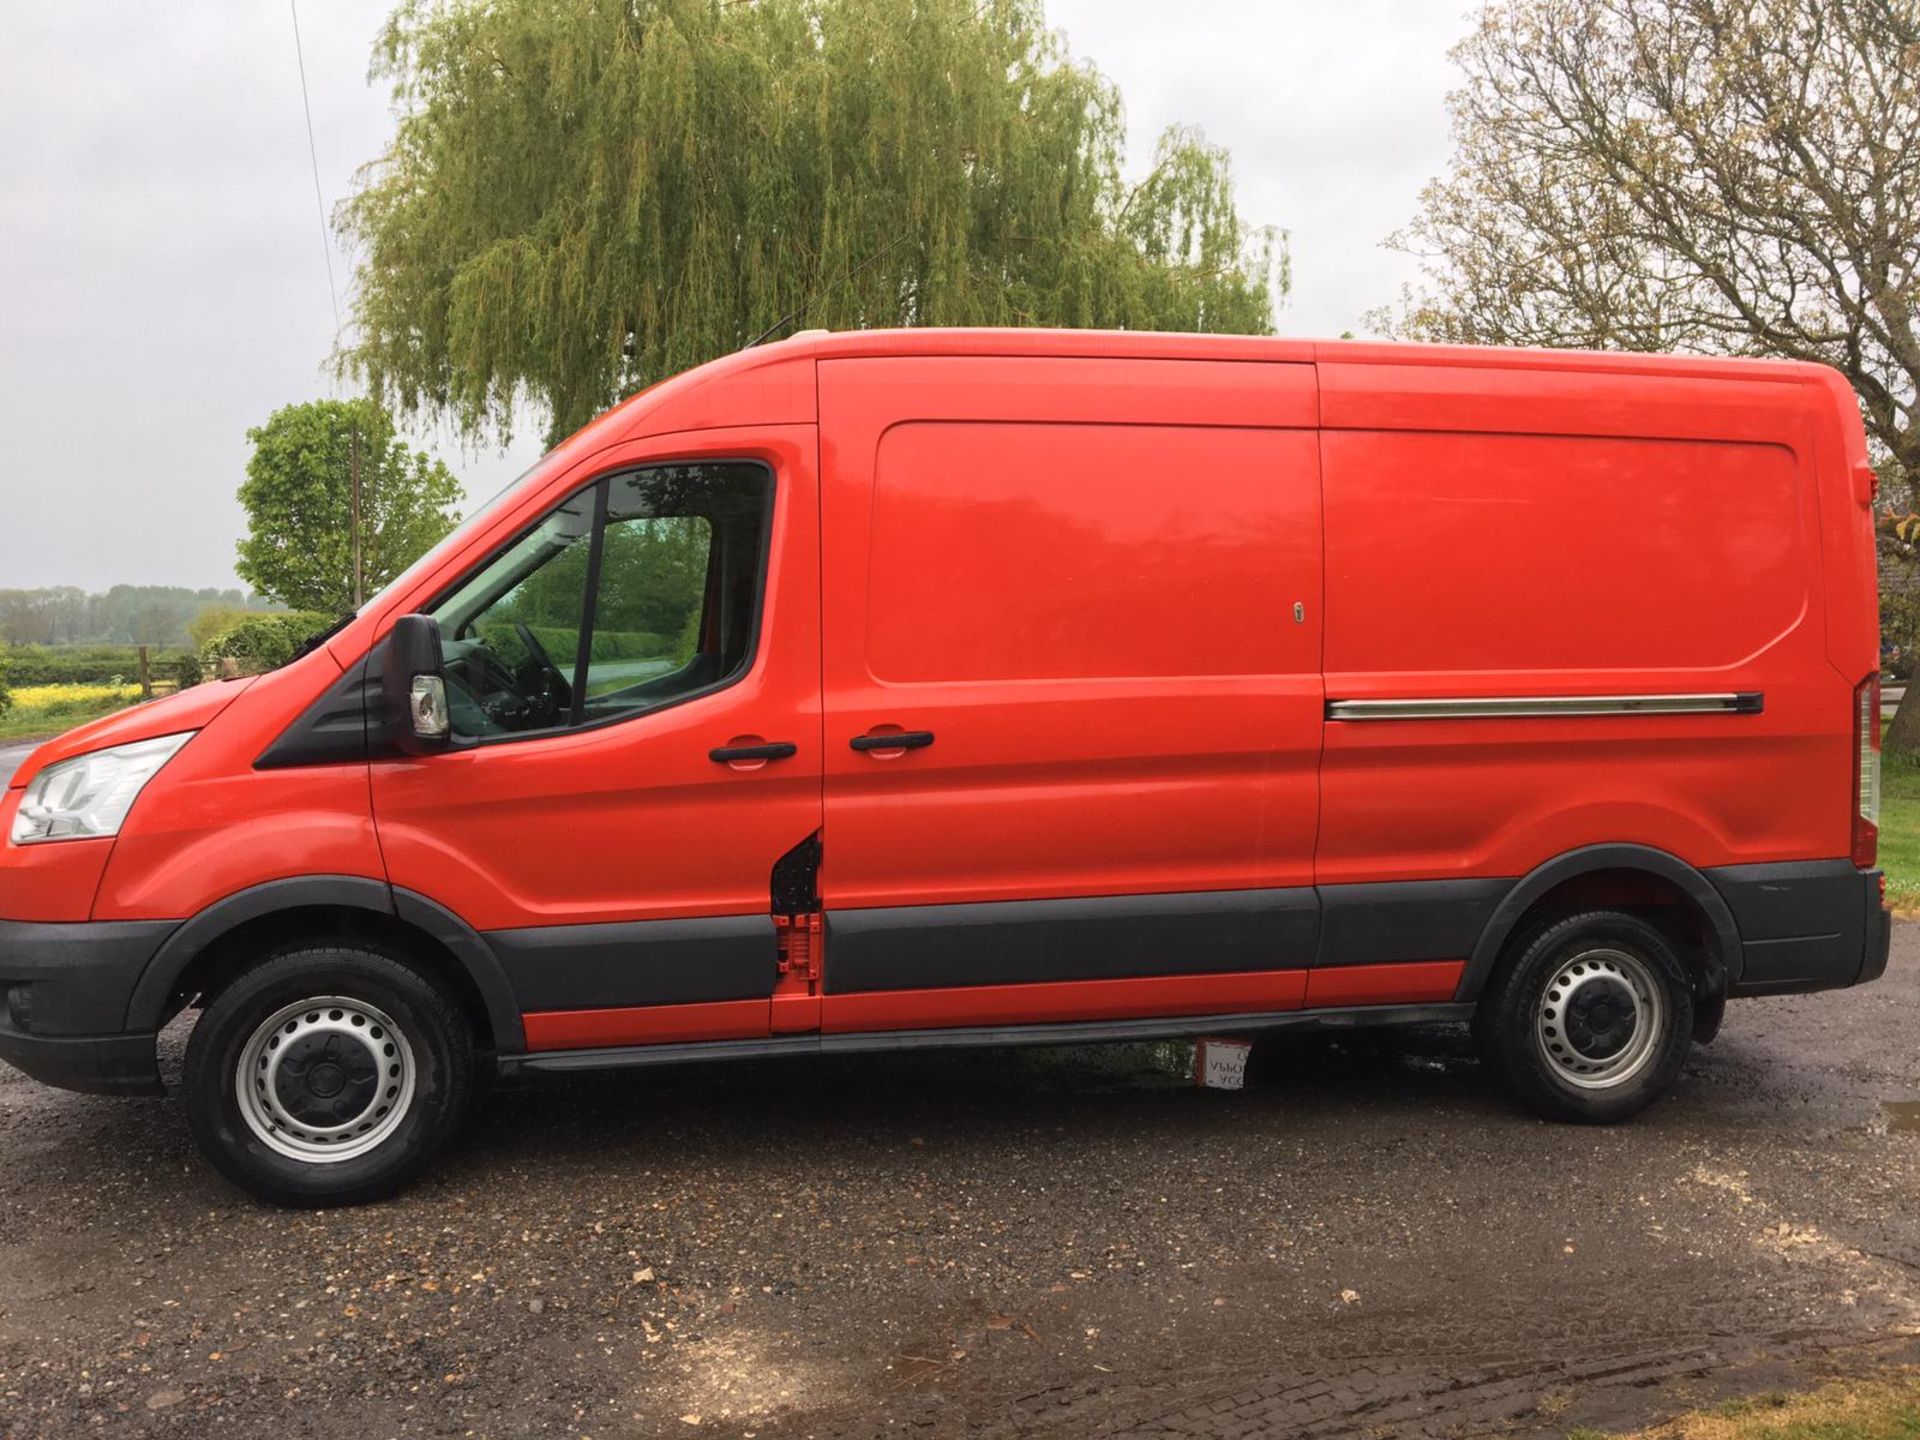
x=769, y=750
x=898, y=740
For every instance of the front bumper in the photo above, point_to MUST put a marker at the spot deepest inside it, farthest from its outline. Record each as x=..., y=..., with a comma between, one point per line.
x=1807, y=925
x=65, y=990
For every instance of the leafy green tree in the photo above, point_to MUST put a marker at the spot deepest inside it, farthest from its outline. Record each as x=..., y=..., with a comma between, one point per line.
x=653, y=574
x=53, y=615
x=256, y=642
x=1732, y=176
x=299, y=497
x=583, y=198
x=213, y=620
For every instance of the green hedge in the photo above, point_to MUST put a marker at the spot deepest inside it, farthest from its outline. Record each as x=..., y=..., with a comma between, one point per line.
x=6, y=700
x=562, y=644
x=103, y=654
x=93, y=665
x=263, y=642
x=628, y=645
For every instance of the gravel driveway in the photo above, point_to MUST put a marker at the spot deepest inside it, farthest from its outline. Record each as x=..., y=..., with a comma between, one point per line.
x=1369, y=1240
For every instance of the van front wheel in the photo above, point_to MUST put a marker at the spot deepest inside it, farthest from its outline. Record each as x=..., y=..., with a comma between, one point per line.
x=1590, y=1019
x=327, y=1075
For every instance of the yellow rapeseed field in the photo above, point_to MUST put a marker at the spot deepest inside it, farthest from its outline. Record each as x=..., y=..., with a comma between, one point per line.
x=59, y=698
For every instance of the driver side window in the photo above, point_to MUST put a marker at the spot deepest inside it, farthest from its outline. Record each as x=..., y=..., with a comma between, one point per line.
x=639, y=591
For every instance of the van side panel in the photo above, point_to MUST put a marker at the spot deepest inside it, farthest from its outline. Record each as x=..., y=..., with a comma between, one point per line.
x=1460, y=555
x=1499, y=533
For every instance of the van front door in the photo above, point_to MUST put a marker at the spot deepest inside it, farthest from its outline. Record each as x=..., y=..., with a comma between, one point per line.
x=1071, y=615
x=634, y=690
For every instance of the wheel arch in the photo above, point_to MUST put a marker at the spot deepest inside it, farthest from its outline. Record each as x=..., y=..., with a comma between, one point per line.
x=1722, y=936
x=206, y=946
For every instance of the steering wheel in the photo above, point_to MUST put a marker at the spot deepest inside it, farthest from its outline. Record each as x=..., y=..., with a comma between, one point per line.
x=491, y=684
x=558, y=687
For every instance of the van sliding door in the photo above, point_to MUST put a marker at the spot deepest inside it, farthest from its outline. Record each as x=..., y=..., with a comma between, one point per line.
x=1071, y=637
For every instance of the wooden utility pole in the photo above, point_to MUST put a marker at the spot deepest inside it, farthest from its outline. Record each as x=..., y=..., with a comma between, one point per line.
x=354, y=522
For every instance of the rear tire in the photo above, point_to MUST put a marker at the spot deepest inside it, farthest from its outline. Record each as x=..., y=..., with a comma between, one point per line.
x=1589, y=1018
x=329, y=1074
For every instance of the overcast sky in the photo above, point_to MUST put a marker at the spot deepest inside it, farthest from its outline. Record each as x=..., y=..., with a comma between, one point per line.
x=163, y=263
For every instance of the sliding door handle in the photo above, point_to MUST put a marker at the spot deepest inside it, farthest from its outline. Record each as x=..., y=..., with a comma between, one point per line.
x=769, y=750
x=898, y=740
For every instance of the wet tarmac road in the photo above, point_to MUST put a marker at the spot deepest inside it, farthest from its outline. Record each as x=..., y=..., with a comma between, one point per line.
x=12, y=757
x=1012, y=1243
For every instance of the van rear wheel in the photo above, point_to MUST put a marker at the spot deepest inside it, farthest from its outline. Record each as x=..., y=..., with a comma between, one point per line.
x=1590, y=1018
x=327, y=1075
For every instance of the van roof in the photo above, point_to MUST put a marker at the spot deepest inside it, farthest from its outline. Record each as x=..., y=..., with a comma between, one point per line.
x=1162, y=345
x=704, y=397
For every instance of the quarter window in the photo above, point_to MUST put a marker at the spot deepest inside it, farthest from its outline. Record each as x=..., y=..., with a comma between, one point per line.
x=640, y=591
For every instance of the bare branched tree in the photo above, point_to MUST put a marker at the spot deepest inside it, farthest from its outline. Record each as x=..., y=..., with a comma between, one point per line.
x=1731, y=176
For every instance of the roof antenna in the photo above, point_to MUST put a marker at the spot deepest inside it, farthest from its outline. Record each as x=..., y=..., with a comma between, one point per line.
x=807, y=304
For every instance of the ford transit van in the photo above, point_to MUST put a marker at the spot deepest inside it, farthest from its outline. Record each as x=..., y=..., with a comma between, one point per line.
x=941, y=688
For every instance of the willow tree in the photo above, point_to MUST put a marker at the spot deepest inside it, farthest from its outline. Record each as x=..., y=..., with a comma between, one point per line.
x=1732, y=176
x=585, y=196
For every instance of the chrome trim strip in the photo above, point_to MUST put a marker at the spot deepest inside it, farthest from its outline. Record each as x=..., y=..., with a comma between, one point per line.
x=1746, y=702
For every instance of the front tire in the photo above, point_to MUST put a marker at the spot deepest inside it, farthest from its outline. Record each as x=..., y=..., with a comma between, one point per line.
x=328, y=1074
x=1590, y=1018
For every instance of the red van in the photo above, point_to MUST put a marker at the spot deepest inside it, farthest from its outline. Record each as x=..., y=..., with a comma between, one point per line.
x=880, y=690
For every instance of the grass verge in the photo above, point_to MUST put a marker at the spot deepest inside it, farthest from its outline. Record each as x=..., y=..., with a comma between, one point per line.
x=1887, y=1408
x=1900, y=830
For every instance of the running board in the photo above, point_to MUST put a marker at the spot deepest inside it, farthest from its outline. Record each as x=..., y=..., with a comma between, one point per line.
x=1077, y=1033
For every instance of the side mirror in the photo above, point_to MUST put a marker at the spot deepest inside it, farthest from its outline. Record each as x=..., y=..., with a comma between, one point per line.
x=414, y=681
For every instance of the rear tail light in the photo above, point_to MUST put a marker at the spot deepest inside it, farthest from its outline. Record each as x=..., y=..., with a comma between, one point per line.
x=1866, y=772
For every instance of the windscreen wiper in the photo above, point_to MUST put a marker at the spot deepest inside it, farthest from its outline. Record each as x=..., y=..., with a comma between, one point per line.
x=314, y=642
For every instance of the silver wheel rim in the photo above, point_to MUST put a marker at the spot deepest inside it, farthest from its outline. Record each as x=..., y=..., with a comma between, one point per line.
x=1602, y=1019
x=325, y=1080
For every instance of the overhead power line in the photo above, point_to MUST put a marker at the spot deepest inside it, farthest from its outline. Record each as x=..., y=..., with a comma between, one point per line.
x=313, y=154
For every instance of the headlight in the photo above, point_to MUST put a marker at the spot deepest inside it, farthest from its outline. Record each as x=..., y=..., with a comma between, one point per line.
x=91, y=794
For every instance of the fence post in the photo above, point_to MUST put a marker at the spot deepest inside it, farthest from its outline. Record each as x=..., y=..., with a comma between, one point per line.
x=146, y=676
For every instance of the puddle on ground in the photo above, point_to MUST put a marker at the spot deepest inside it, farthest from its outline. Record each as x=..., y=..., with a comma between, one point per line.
x=1902, y=1116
